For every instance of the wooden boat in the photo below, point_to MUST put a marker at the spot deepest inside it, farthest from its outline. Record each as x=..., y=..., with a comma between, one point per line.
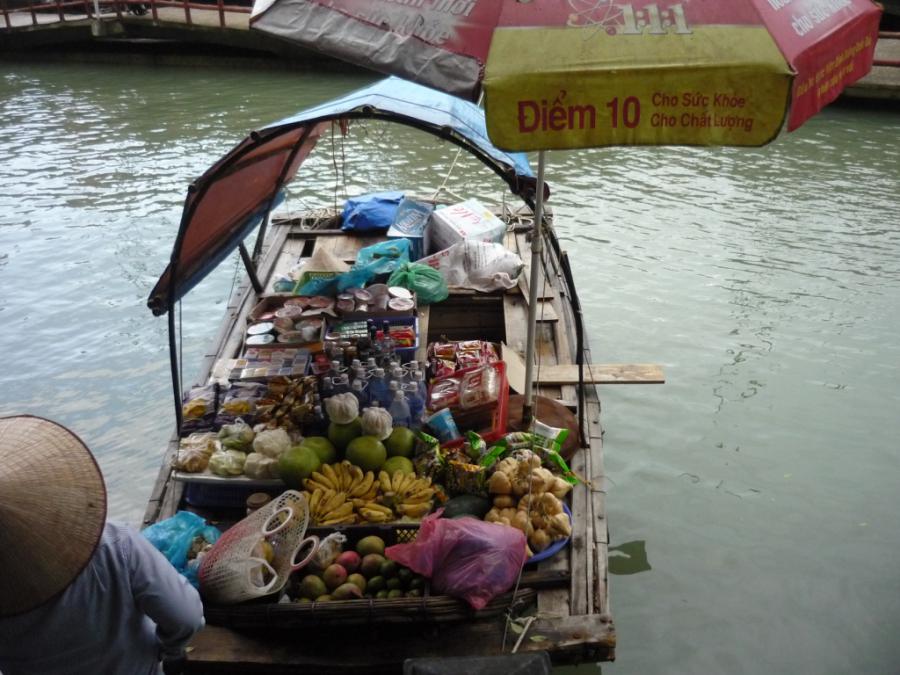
x=561, y=605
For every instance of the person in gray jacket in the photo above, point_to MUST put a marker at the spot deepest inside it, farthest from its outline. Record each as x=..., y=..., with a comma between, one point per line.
x=79, y=594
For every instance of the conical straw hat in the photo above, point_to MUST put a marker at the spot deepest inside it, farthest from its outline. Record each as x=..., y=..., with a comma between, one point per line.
x=52, y=510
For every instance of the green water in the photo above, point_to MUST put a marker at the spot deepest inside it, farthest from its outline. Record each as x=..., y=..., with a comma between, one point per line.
x=752, y=499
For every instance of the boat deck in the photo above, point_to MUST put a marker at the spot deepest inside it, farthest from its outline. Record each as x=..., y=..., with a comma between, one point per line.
x=571, y=616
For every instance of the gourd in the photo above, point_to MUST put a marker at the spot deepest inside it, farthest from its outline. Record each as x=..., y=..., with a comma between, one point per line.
x=376, y=422
x=342, y=408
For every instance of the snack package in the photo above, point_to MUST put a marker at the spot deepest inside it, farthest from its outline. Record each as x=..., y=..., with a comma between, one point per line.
x=445, y=358
x=517, y=443
x=465, y=478
x=428, y=459
x=478, y=388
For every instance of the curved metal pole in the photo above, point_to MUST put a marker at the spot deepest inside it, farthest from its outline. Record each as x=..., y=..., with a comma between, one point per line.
x=173, y=365
x=537, y=247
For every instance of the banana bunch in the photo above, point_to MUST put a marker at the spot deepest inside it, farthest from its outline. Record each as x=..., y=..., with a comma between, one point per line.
x=405, y=494
x=329, y=507
x=358, y=489
x=344, y=477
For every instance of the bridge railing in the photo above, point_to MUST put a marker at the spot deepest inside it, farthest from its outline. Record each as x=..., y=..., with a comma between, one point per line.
x=109, y=9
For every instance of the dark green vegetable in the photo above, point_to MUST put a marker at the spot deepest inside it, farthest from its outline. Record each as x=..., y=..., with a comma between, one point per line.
x=467, y=505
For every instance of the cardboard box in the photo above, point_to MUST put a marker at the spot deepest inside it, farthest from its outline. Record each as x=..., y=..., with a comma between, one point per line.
x=467, y=220
x=410, y=223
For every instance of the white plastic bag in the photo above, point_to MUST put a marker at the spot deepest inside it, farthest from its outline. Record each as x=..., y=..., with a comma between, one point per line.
x=329, y=549
x=479, y=265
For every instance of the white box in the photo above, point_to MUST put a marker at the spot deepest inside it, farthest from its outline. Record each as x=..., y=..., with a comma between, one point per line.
x=467, y=220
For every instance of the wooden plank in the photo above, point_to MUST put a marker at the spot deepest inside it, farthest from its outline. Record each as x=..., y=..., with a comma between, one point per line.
x=515, y=317
x=601, y=580
x=567, y=374
x=383, y=649
x=596, y=473
x=582, y=544
x=604, y=373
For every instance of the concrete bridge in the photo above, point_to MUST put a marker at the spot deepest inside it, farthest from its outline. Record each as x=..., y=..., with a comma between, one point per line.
x=32, y=24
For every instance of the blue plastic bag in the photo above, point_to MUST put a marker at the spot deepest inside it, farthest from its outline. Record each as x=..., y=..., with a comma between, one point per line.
x=370, y=212
x=173, y=538
x=381, y=258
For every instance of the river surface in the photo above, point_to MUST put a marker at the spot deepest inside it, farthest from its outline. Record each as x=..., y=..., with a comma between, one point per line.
x=753, y=499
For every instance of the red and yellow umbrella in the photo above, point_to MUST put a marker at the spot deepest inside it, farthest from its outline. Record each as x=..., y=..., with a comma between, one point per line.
x=585, y=73
x=559, y=74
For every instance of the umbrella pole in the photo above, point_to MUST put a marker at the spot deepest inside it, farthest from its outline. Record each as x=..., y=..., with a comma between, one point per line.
x=537, y=248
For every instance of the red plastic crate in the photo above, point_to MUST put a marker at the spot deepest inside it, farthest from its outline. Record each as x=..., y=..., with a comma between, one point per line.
x=491, y=422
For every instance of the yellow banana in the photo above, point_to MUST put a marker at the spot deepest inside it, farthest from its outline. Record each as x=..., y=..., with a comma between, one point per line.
x=385, y=481
x=342, y=511
x=319, y=477
x=314, y=500
x=312, y=485
x=356, y=477
x=332, y=477
x=397, y=480
x=375, y=506
x=419, y=497
x=410, y=483
x=341, y=472
x=364, y=485
x=334, y=501
x=374, y=516
x=414, y=510
x=346, y=474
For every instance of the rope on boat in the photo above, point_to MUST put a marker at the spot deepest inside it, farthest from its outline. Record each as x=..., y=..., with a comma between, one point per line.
x=525, y=628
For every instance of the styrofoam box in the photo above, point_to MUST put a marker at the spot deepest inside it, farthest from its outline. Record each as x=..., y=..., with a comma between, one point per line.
x=467, y=220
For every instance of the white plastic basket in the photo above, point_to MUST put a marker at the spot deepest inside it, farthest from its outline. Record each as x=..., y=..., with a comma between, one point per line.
x=231, y=571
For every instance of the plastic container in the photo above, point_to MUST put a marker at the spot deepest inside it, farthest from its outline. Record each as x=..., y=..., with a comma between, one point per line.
x=488, y=422
x=444, y=427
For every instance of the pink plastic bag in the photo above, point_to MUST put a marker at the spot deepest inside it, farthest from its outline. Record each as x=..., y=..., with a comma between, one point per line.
x=464, y=557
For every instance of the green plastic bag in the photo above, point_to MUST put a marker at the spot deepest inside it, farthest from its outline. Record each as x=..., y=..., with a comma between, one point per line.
x=426, y=282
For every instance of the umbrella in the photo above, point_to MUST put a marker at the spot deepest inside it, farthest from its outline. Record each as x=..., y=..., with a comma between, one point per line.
x=560, y=74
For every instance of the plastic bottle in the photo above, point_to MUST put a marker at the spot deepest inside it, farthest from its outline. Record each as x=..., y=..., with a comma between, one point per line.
x=358, y=387
x=416, y=404
x=399, y=410
x=378, y=388
x=387, y=342
x=327, y=388
x=397, y=376
x=341, y=384
x=371, y=365
x=320, y=421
